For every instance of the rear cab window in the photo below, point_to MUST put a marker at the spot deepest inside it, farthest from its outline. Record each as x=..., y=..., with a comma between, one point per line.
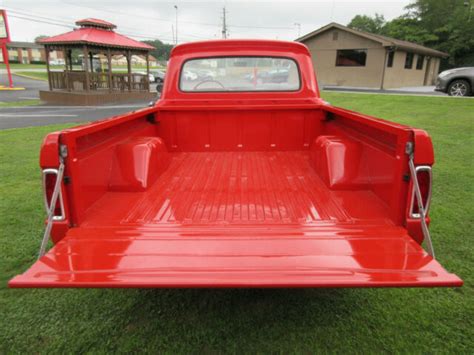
x=234, y=74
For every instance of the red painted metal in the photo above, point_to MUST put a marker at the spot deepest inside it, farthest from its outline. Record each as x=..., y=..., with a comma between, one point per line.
x=237, y=190
x=7, y=64
x=3, y=43
x=272, y=256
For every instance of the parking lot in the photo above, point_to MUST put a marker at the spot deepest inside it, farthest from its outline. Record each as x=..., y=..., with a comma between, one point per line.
x=41, y=115
x=16, y=117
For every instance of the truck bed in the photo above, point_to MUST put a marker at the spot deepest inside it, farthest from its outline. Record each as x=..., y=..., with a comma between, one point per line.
x=237, y=219
x=234, y=188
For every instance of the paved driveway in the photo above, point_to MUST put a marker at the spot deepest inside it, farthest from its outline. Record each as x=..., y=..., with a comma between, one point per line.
x=15, y=117
x=42, y=115
x=31, y=91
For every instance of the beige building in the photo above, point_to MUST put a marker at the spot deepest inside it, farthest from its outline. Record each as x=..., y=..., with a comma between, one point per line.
x=351, y=58
x=30, y=53
x=136, y=60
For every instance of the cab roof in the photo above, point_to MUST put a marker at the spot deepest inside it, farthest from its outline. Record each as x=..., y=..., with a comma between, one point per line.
x=241, y=45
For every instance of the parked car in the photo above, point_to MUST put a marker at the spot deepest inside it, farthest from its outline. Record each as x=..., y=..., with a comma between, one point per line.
x=206, y=74
x=238, y=188
x=151, y=77
x=456, y=82
x=189, y=75
x=159, y=75
x=56, y=62
x=279, y=75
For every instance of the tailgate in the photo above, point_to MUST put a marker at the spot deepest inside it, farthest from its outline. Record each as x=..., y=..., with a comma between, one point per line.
x=278, y=257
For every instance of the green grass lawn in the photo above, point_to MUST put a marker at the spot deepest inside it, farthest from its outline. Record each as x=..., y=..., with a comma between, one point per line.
x=19, y=103
x=431, y=320
x=44, y=75
x=29, y=66
x=33, y=75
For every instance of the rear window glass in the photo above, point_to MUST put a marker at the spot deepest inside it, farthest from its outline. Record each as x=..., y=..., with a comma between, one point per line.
x=240, y=74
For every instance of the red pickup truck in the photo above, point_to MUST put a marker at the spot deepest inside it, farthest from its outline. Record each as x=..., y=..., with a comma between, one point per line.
x=239, y=176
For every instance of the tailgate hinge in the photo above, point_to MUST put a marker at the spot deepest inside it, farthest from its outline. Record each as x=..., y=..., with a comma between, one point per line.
x=54, y=198
x=409, y=150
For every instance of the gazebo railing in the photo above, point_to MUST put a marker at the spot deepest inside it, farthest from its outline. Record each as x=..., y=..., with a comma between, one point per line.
x=58, y=80
x=76, y=81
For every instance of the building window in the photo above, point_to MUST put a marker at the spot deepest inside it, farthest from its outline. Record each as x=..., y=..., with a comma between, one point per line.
x=351, y=57
x=419, y=62
x=409, y=61
x=335, y=35
x=391, y=54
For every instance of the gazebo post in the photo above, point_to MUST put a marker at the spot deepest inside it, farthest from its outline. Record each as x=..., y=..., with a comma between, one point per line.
x=66, y=69
x=70, y=59
x=147, y=71
x=91, y=61
x=46, y=53
x=109, y=72
x=86, y=66
x=129, y=70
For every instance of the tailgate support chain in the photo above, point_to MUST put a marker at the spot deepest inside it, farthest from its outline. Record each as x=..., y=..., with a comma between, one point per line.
x=54, y=199
x=419, y=199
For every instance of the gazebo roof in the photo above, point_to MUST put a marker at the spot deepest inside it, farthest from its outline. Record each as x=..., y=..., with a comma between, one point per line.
x=94, y=22
x=95, y=32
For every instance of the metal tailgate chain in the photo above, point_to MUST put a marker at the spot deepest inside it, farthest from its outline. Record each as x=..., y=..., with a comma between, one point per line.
x=52, y=205
x=421, y=207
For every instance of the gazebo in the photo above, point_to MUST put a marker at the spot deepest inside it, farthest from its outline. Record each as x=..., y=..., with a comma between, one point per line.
x=87, y=78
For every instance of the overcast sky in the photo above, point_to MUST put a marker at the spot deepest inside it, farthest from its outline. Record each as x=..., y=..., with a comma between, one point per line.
x=197, y=20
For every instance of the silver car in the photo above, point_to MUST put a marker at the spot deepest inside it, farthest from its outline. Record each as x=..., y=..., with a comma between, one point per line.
x=456, y=82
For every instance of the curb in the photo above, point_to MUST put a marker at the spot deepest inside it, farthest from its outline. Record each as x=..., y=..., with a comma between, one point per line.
x=29, y=77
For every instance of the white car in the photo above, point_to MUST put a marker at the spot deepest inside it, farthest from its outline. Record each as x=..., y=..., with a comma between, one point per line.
x=56, y=62
x=151, y=77
x=206, y=74
x=189, y=75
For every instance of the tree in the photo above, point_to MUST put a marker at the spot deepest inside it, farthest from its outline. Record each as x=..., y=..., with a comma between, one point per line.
x=409, y=29
x=40, y=37
x=368, y=24
x=162, y=50
x=444, y=25
x=450, y=22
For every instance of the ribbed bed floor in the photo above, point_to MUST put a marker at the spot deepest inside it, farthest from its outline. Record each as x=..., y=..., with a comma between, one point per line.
x=238, y=188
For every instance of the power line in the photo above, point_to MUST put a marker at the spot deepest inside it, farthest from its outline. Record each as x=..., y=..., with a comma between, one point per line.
x=71, y=19
x=170, y=20
x=67, y=24
x=55, y=22
x=45, y=20
x=22, y=13
x=41, y=21
x=262, y=27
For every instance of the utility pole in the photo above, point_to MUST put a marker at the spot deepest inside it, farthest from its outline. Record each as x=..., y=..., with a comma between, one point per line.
x=298, y=25
x=224, y=25
x=176, y=36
